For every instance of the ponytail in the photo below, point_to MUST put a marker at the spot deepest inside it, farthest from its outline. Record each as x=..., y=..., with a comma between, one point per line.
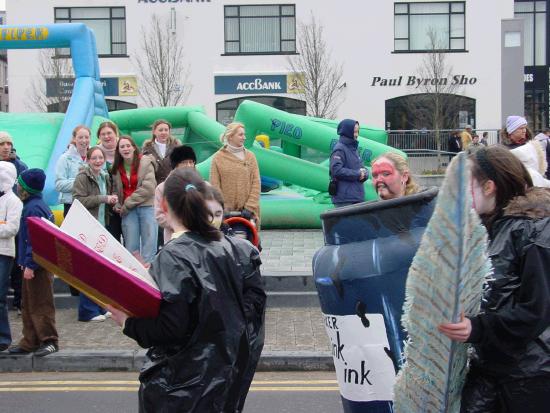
x=183, y=190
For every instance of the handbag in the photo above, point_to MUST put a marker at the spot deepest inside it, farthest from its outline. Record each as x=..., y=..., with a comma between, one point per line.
x=333, y=187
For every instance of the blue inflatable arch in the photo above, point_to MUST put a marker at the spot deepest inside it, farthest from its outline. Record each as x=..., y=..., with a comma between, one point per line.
x=87, y=99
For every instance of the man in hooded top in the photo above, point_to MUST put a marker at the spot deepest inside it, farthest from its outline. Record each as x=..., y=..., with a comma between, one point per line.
x=346, y=166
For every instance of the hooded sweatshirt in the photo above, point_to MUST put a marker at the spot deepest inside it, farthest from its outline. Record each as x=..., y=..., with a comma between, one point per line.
x=10, y=209
x=345, y=165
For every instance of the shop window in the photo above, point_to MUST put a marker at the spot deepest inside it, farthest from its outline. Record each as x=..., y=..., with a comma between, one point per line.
x=114, y=105
x=225, y=111
x=415, y=22
x=260, y=29
x=108, y=24
x=533, y=14
x=415, y=112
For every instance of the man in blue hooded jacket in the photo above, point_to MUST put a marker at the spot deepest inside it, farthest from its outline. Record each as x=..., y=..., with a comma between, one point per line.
x=346, y=167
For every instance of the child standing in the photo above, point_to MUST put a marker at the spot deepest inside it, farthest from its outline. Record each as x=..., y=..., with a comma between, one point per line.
x=10, y=215
x=38, y=313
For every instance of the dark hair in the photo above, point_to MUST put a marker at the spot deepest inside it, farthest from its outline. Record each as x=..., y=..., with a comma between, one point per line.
x=485, y=134
x=109, y=125
x=183, y=190
x=92, y=149
x=182, y=153
x=213, y=193
x=511, y=178
x=118, y=157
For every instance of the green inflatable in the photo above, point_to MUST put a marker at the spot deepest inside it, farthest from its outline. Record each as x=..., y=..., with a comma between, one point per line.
x=296, y=204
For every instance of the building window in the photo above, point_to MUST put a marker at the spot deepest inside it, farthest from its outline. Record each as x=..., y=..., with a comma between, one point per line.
x=260, y=29
x=414, y=24
x=533, y=14
x=108, y=24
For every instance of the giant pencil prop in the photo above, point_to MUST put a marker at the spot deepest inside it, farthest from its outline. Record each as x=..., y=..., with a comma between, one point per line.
x=99, y=277
x=445, y=278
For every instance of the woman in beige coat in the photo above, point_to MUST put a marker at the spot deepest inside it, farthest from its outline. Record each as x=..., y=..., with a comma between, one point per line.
x=235, y=173
x=134, y=181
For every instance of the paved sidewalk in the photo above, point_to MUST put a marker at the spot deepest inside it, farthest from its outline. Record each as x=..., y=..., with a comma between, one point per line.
x=289, y=250
x=287, y=329
x=295, y=335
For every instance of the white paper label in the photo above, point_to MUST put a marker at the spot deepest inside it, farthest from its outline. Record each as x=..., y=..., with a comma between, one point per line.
x=364, y=371
x=80, y=224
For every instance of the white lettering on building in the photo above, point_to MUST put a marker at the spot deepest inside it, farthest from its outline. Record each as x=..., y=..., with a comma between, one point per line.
x=258, y=84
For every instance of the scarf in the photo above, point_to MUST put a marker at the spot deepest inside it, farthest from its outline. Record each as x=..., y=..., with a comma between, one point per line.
x=128, y=185
x=237, y=151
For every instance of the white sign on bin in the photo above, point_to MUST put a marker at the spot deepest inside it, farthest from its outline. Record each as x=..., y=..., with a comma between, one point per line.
x=364, y=370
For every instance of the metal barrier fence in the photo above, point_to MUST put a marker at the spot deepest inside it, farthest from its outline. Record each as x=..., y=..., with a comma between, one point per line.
x=427, y=139
x=421, y=147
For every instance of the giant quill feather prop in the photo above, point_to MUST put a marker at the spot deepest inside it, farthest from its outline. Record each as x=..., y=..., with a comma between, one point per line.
x=446, y=277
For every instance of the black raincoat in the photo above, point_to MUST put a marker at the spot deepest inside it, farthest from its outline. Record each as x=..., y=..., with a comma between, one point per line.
x=511, y=336
x=199, y=345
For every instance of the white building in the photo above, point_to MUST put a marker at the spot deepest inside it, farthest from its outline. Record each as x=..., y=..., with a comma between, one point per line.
x=231, y=43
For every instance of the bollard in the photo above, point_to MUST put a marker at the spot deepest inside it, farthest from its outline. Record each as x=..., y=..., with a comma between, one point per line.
x=360, y=277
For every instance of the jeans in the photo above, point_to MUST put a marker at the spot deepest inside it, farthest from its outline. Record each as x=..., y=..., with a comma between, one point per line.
x=87, y=309
x=139, y=229
x=5, y=271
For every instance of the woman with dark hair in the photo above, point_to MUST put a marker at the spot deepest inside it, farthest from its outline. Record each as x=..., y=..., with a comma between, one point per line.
x=134, y=179
x=160, y=146
x=510, y=366
x=198, y=344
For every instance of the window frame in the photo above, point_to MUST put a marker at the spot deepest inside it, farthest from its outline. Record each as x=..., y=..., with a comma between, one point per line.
x=449, y=13
x=111, y=18
x=535, y=12
x=238, y=17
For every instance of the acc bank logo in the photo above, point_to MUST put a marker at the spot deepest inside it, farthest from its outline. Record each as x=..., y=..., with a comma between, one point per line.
x=24, y=33
x=259, y=84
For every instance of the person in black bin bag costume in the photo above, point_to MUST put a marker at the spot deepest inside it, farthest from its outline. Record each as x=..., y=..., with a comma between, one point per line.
x=198, y=344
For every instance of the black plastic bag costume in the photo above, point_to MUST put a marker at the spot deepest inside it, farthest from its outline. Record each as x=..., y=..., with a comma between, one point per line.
x=199, y=344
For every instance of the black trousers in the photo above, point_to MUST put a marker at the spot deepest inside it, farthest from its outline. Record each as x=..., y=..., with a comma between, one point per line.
x=488, y=394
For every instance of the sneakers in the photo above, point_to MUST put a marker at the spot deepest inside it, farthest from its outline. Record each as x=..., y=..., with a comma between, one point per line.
x=97, y=319
x=4, y=347
x=17, y=351
x=108, y=314
x=45, y=349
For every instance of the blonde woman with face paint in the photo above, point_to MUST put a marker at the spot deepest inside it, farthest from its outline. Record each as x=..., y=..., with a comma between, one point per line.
x=391, y=177
x=510, y=365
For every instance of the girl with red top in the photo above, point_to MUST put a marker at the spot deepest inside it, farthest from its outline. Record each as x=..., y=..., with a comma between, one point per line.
x=134, y=180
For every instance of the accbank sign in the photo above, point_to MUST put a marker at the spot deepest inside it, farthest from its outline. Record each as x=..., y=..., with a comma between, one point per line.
x=253, y=84
x=259, y=84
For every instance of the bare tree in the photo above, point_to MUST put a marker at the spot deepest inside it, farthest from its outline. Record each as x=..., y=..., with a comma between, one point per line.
x=163, y=74
x=47, y=91
x=437, y=107
x=321, y=78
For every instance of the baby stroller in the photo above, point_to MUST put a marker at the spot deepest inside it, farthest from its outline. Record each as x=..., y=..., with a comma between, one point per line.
x=242, y=225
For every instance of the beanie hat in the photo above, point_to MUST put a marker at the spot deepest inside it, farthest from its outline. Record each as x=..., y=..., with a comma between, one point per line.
x=514, y=122
x=32, y=180
x=182, y=153
x=5, y=137
x=8, y=175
